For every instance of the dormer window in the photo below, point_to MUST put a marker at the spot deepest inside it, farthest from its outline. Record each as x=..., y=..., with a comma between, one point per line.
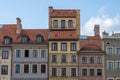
x=39, y=39
x=25, y=39
x=7, y=40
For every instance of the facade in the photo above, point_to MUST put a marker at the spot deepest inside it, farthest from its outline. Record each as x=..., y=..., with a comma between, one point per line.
x=64, y=28
x=91, y=57
x=24, y=53
x=6, y=35
x=58, y=53
x=112, y=58
x=5, y=63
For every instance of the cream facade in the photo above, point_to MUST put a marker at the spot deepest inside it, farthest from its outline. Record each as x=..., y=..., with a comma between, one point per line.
x=5, y=63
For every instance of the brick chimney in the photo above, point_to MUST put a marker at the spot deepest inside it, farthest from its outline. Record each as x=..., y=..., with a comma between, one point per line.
x=19, y=26
x=96, y=30
x=50, y=9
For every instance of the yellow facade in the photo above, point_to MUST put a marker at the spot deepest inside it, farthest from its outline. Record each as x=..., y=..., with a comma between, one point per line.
x=68, y=64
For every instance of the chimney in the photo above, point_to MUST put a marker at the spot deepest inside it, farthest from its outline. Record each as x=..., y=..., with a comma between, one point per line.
x=50, y=9
x=19, y=26
x=96, y=30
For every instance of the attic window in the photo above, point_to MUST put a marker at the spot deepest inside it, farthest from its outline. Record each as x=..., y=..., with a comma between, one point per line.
x=39, y=39
x=25, y=39
x=7, y=40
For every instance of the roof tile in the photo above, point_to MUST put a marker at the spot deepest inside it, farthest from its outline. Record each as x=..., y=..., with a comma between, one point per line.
x=10, y=30
x=63, y=13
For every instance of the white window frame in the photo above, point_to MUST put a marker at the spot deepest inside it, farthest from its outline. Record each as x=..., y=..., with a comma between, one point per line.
x=41, y=53
x=109, y=52
x=20, y=53
x=45, y=69
x=33, y=54
x=107, y=65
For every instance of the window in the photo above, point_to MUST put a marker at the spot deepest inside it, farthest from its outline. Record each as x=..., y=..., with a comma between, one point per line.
x=54, y=71
x=7, y=40
x=84, y=60
x=91, y=60
x=109, y=65
x=99, y=72
x=4, y=69
x=18, y=53
x=91, y=72
x=54, y=47
x=73, y=71
x=25, y=39
x=54, y=58
x=26, y=68
x=26, y=54
x=117, y=65
x=55, y=23
x=63, y=72
x=70, y=23
x=43, y=53
x=73, y=46
x=99, y=60
x=117, y=50
x=63, y=23
x=63, y=46
x=5, y=54
x=39, y=38
x=63, y=58
x=109, y=50
x=43, y=68
x=73, y=58
x=35, y=53
x=34, y=68
x=17, y=68
x=84, y=72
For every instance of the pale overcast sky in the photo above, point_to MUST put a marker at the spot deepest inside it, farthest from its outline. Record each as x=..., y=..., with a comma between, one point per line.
x=34, y=13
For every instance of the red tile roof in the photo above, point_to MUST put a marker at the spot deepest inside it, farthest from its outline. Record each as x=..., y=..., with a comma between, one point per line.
x=32, y=33
x=10, y=30
x=91, y=47
x=94, y=38
x=63, y=35
x=63, y=13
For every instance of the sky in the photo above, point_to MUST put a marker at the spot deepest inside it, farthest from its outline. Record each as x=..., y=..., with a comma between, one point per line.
x=34, y=13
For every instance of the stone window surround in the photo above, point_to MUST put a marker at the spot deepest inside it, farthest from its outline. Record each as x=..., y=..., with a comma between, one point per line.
x=66, y=21
x=30, y=53
x=95, y=70
x=30, y=68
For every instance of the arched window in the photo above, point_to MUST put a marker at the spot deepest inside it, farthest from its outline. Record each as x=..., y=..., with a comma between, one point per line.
x=39, y=39
x=7, y=40
x=25, y=39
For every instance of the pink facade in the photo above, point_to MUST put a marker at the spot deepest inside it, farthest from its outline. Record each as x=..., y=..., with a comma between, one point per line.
x=97, y=65
x=91, y=57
